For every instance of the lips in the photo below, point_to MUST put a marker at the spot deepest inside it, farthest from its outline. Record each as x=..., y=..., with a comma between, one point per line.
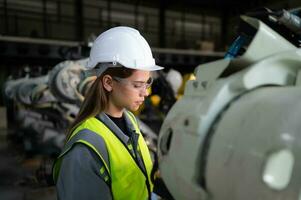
x=139, y=102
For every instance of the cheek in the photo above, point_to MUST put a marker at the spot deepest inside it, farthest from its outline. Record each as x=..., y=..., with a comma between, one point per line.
x=124, y=96
x=130, y=96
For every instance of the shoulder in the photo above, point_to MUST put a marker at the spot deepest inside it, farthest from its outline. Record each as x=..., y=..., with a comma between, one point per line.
x=82, y=157
x=86, y=150
x=81, y=165
x=89, y=140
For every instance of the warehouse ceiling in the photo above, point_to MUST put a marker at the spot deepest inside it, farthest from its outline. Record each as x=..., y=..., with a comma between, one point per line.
x=162, y=33
x=211, y=7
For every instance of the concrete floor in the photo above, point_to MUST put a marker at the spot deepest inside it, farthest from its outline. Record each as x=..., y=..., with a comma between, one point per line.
x=17, y=172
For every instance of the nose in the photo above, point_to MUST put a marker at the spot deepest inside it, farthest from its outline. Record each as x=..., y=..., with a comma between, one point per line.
x=144, y=92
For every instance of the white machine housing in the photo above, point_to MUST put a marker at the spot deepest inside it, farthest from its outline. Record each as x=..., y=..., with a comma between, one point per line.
x=238, y=137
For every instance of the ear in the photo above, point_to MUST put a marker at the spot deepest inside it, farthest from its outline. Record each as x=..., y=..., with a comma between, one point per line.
x=107, y=82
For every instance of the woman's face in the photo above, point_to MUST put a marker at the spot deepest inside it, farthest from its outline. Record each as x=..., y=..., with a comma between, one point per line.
x=130, y=92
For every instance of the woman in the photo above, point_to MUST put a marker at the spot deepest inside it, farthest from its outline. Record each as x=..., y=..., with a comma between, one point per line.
x=105, y=156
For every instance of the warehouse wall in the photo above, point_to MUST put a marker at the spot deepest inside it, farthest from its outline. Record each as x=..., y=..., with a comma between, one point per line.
x=58, y=20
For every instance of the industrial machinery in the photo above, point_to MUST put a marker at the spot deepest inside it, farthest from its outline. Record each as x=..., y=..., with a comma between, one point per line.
x=44, y=107
x=241, y=139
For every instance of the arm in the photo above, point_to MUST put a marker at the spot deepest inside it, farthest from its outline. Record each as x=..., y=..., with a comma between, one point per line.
x=79, y=177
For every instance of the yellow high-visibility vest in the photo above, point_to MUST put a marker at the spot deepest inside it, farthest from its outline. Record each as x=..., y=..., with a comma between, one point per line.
x=128, y=181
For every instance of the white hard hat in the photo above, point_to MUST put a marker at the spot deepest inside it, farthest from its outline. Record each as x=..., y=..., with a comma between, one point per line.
x=175, y=80
x=125, y=46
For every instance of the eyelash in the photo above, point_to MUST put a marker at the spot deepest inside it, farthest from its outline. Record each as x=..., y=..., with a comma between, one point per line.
x=137, y=85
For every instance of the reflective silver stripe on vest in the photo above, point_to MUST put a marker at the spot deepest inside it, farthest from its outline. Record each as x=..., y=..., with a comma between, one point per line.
x=92, y=138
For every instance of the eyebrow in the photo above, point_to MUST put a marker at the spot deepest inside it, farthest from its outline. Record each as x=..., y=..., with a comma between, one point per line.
x=143, y=81
x=140, y=81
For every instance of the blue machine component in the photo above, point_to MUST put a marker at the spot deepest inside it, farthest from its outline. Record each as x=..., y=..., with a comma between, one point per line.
x=239, y=42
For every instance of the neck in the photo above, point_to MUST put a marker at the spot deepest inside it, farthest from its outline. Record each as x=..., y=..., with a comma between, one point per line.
x=114, y=111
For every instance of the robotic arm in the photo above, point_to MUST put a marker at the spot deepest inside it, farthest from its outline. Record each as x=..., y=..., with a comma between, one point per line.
x=240, y=138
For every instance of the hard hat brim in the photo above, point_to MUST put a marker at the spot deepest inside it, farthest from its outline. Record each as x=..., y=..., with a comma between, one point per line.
x=91, y=65
x=152, y=68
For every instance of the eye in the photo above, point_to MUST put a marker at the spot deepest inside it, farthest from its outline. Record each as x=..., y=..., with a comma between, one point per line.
x=138, y=84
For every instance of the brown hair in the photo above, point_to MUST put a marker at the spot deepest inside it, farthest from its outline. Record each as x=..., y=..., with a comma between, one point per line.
x=97, y=97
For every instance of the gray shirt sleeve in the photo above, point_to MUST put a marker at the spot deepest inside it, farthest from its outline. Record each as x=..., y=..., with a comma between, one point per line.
x=79, y=177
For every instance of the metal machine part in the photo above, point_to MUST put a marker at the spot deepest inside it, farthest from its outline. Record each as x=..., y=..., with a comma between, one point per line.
x=175, y=80
x=39, y=131
x=34, y=91
x=41, y=115
x=21, y=89
x=233, y=132
x=293, y=22
x=63, y=81
x=11, y=85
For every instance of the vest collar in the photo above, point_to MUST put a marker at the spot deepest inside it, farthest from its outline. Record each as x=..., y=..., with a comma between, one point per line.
x=103, y=117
